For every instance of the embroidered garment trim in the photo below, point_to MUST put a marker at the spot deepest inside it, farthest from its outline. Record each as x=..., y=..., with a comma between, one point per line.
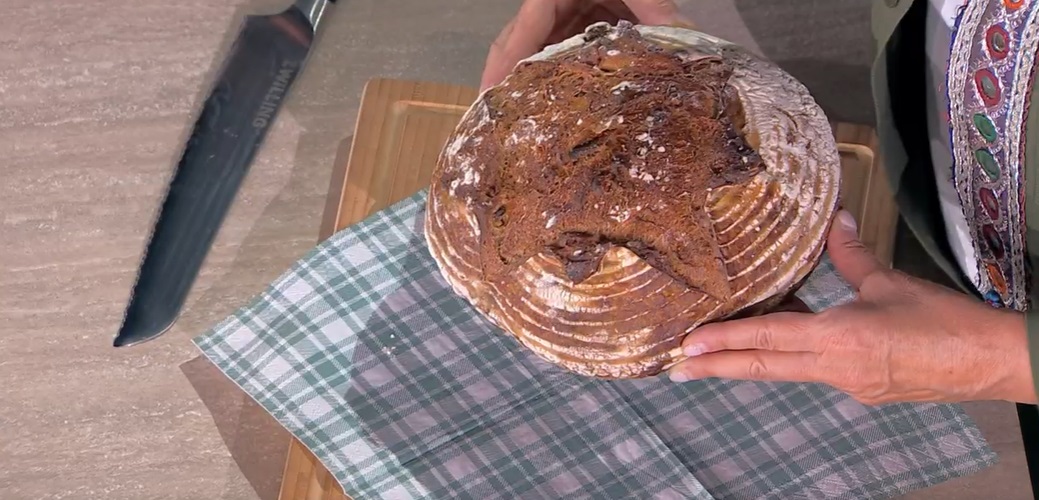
x=991, y=67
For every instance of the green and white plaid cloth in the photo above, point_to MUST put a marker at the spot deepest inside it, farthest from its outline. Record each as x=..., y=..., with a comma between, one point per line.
x=402, y=390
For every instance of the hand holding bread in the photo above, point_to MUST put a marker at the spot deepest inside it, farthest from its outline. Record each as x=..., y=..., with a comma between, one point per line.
x=542, y=22
x=630, y=200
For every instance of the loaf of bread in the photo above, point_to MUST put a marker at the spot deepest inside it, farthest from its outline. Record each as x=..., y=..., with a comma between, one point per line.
x=627, y=185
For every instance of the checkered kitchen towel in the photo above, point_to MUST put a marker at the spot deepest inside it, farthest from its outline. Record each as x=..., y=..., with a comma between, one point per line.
x=403, y=391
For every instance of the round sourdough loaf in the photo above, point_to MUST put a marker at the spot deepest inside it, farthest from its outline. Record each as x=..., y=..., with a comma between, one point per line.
x=624, y=186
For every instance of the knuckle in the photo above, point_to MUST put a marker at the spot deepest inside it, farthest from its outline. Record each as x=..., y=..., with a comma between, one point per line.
x=870, y=397
x=869, y=391
x=866, y=400
x=838, y=339
x=763, y=339
x=757, y=369
x=875, y=281
x=889, y=283
x=855, y=244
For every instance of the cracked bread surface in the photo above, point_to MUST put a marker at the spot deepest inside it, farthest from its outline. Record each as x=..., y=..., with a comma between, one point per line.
x=627, y=185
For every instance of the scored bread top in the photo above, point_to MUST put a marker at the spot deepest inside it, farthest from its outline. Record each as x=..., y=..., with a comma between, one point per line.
x=627, y=185
x=621, y=142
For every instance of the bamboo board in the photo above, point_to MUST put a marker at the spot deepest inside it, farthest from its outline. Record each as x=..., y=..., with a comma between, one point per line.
x=401, y=128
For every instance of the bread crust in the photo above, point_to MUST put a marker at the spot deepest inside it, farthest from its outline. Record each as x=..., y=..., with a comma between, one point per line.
x=628, y=319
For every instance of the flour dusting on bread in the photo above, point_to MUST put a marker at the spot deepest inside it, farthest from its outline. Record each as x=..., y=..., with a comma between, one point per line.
x=624, y=186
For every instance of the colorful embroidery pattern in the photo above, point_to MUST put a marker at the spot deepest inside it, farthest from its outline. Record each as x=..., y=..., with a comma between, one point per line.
x=991, y=67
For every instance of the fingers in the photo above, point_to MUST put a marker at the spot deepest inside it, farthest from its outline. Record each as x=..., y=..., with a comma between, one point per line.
x=526, y=33
x=657, y=12
x=521, y=38
x=853, y=261
x=748, y=365
x=785, y=331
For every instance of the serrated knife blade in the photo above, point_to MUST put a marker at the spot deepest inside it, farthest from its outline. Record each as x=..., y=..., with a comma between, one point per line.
x=255, y=78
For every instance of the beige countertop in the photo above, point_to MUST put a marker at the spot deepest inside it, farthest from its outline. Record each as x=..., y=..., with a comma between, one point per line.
x=96, y=99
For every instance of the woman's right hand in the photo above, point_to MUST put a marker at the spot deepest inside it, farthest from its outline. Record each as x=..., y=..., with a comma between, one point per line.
x=543, y=22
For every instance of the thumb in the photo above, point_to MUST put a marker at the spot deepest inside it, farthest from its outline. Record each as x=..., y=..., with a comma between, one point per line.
x=850, y=257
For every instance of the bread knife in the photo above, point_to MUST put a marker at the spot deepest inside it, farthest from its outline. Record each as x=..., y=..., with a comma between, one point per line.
x=253, y=82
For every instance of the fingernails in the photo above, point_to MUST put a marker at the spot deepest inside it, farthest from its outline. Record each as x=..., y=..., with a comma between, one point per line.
x=678, y=377
x=847, y=221
x=694, y=350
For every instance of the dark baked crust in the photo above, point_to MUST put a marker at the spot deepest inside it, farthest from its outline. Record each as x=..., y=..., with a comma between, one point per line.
x=616, y=143
x=605, y=304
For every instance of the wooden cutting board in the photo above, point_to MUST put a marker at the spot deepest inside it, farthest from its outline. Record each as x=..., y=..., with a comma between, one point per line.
x=401, y=128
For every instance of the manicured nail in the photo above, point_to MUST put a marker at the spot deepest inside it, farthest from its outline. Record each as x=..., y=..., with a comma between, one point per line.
x=847, y=221
x=678, y=377
x=694, y=350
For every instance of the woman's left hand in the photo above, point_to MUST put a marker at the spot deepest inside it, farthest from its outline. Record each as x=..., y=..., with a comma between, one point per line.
x=902, y=339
